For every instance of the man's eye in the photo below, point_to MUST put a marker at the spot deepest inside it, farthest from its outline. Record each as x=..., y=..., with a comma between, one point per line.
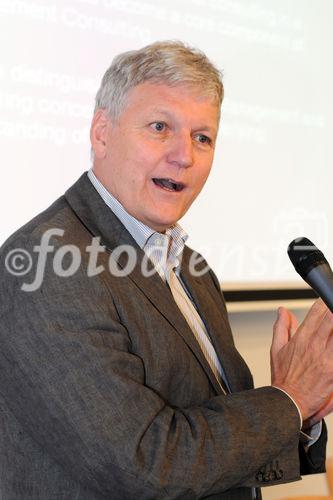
x=204, y=139
x=158, y=126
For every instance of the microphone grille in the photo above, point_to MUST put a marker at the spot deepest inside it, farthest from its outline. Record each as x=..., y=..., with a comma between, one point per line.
x=305, y=255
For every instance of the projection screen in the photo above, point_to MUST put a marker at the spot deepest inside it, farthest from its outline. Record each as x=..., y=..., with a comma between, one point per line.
x=270, y=182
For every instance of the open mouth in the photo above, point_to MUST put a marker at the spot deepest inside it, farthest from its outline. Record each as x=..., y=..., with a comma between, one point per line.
x=169, y=184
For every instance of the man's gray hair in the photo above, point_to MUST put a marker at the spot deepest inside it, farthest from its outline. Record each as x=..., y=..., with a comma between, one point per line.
x=167, y=62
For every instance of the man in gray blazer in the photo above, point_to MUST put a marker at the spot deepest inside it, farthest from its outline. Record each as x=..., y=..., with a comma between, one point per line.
x=119, y=374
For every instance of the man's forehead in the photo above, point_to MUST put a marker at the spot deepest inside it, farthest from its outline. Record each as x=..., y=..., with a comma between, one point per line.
x=152, y=88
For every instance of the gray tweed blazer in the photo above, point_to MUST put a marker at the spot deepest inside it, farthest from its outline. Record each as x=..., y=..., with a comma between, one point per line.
x=105, y=393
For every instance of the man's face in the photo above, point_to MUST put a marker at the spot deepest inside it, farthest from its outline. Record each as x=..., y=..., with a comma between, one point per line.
x=158, y=154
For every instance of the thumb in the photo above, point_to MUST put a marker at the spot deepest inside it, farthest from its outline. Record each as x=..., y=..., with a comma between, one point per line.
x=281, y=330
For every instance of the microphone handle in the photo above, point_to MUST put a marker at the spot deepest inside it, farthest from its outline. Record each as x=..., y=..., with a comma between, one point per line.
x=320, y=278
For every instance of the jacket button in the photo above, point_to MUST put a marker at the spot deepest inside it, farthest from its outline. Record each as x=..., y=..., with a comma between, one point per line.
x=279, y=474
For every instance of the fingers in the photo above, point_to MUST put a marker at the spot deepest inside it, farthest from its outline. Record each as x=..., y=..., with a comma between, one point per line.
x=318, y=321
x=313, y=319
x=316, y=328
x=282, y=329
x=323, y=335
x=294, y=323
x=302, y=363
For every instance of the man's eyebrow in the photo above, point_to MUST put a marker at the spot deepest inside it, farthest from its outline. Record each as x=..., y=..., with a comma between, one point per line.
x=165, y=112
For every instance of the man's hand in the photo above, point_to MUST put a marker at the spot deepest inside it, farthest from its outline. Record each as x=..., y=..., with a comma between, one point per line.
x=302, y=363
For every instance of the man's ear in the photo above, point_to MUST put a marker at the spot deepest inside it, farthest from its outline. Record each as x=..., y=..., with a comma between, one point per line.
x=98, y=133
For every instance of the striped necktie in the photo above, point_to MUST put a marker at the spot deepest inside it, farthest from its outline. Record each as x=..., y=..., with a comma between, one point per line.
x=197, y=326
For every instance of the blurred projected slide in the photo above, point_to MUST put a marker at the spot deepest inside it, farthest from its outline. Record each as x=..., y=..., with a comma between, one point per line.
x=272, y=175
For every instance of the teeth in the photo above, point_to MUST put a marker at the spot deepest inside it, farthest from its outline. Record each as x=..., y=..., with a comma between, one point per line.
x=169, y=184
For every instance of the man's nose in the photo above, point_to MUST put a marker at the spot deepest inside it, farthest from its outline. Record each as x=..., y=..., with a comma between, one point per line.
x=181, y=151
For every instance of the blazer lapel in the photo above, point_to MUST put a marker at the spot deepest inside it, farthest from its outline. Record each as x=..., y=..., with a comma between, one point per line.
x=159, y=294
x=101, y=221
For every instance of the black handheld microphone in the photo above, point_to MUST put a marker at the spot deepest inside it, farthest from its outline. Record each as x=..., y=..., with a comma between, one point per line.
x=312, y=266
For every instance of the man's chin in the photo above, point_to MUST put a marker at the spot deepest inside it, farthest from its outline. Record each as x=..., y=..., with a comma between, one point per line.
x=162, y=226
x=163, y=221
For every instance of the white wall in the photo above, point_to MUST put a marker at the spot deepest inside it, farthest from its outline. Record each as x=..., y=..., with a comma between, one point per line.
x=253, y=333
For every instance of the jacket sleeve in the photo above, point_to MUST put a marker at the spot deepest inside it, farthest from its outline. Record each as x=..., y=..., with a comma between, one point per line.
x=313, y=460
x=72, y=379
